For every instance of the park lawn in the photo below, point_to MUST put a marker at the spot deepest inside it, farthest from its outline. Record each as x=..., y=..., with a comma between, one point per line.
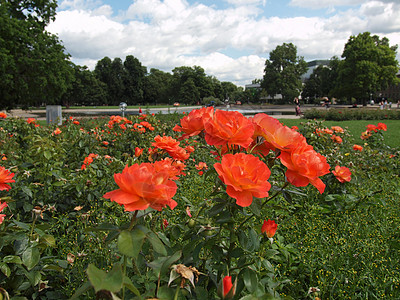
x=392, y=135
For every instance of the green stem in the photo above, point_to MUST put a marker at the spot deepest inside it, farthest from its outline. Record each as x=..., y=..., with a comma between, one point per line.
x=33, y=226
x=133, y=220
x=177, y=292
x=124, y=274
x=265, y=202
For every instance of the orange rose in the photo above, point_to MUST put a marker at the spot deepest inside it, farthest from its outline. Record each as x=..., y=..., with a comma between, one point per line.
x=138, y=151
x=269, y=228
x=141, y=186
x=276, y=135
x=305, y=166
x=342, y=174
x=337, y=129
x=229, y=127
x=337, y=139
x=371, y=127
x=358, y=148
x=382, y=126
x=245, y=177
x=57, y=131
x=172, y=167
x=5, y=177
x=193, y=123
x=2, y=206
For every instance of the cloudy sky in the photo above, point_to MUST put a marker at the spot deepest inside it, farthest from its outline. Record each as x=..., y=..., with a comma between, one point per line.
x=230, y=39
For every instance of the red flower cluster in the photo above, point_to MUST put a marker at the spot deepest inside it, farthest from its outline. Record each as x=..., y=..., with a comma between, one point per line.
x=231, y=131
x=88, y=160
x=373, y=128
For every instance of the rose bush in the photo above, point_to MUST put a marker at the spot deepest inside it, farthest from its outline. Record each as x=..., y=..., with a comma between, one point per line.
x=189, y=224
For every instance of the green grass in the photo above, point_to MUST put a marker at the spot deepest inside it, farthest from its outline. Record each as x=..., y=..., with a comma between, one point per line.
x=392, y=135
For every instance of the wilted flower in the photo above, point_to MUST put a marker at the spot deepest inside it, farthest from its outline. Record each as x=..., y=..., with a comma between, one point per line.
x=186, y=273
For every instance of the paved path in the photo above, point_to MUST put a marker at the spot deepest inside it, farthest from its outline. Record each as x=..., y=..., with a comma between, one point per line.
x=277, y=111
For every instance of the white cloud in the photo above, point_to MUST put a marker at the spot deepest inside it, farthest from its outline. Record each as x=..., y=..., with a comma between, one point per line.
x=317, y=4
x=172, y=33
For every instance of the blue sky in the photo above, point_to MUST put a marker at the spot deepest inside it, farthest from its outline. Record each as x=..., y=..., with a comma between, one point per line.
x=230, y=39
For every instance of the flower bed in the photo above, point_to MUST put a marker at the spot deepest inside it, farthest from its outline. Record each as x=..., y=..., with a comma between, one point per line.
x=216, y=206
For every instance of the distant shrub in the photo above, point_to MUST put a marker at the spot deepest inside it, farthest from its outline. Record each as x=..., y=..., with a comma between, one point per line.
x=344, y=114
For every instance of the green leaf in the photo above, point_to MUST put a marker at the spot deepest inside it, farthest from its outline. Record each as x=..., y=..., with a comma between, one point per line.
x=128, y=283
x=49, y=240
x=34, y=277
x=5, y=269
x=12, y=259
x=103, y=227
x=254, y=242
x=101, y=280
x=161, y=264
x=82, y=289
x=27, y=190
x=30, y=257
x=255, y=206
x=22, y=225
x=130, y=242
x=158, y=246
x=47, y=154
x=250, y=280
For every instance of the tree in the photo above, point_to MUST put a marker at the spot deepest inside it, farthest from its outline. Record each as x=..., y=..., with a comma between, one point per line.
x=34, y=67
x=157, y=87
x=203, y=83
x=188, y=92
x=133, y=80
x=228, y=89
x=86, y=89
x=369, y=65
x=319, y=84
x=282, y=72
x=112, y=73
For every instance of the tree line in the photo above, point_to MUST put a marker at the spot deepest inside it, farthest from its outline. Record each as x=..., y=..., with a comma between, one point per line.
x=35, y=70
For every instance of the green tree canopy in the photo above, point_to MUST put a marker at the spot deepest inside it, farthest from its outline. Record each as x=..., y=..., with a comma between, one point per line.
x=282, y=72
x=369, y=65
x=34, y=67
